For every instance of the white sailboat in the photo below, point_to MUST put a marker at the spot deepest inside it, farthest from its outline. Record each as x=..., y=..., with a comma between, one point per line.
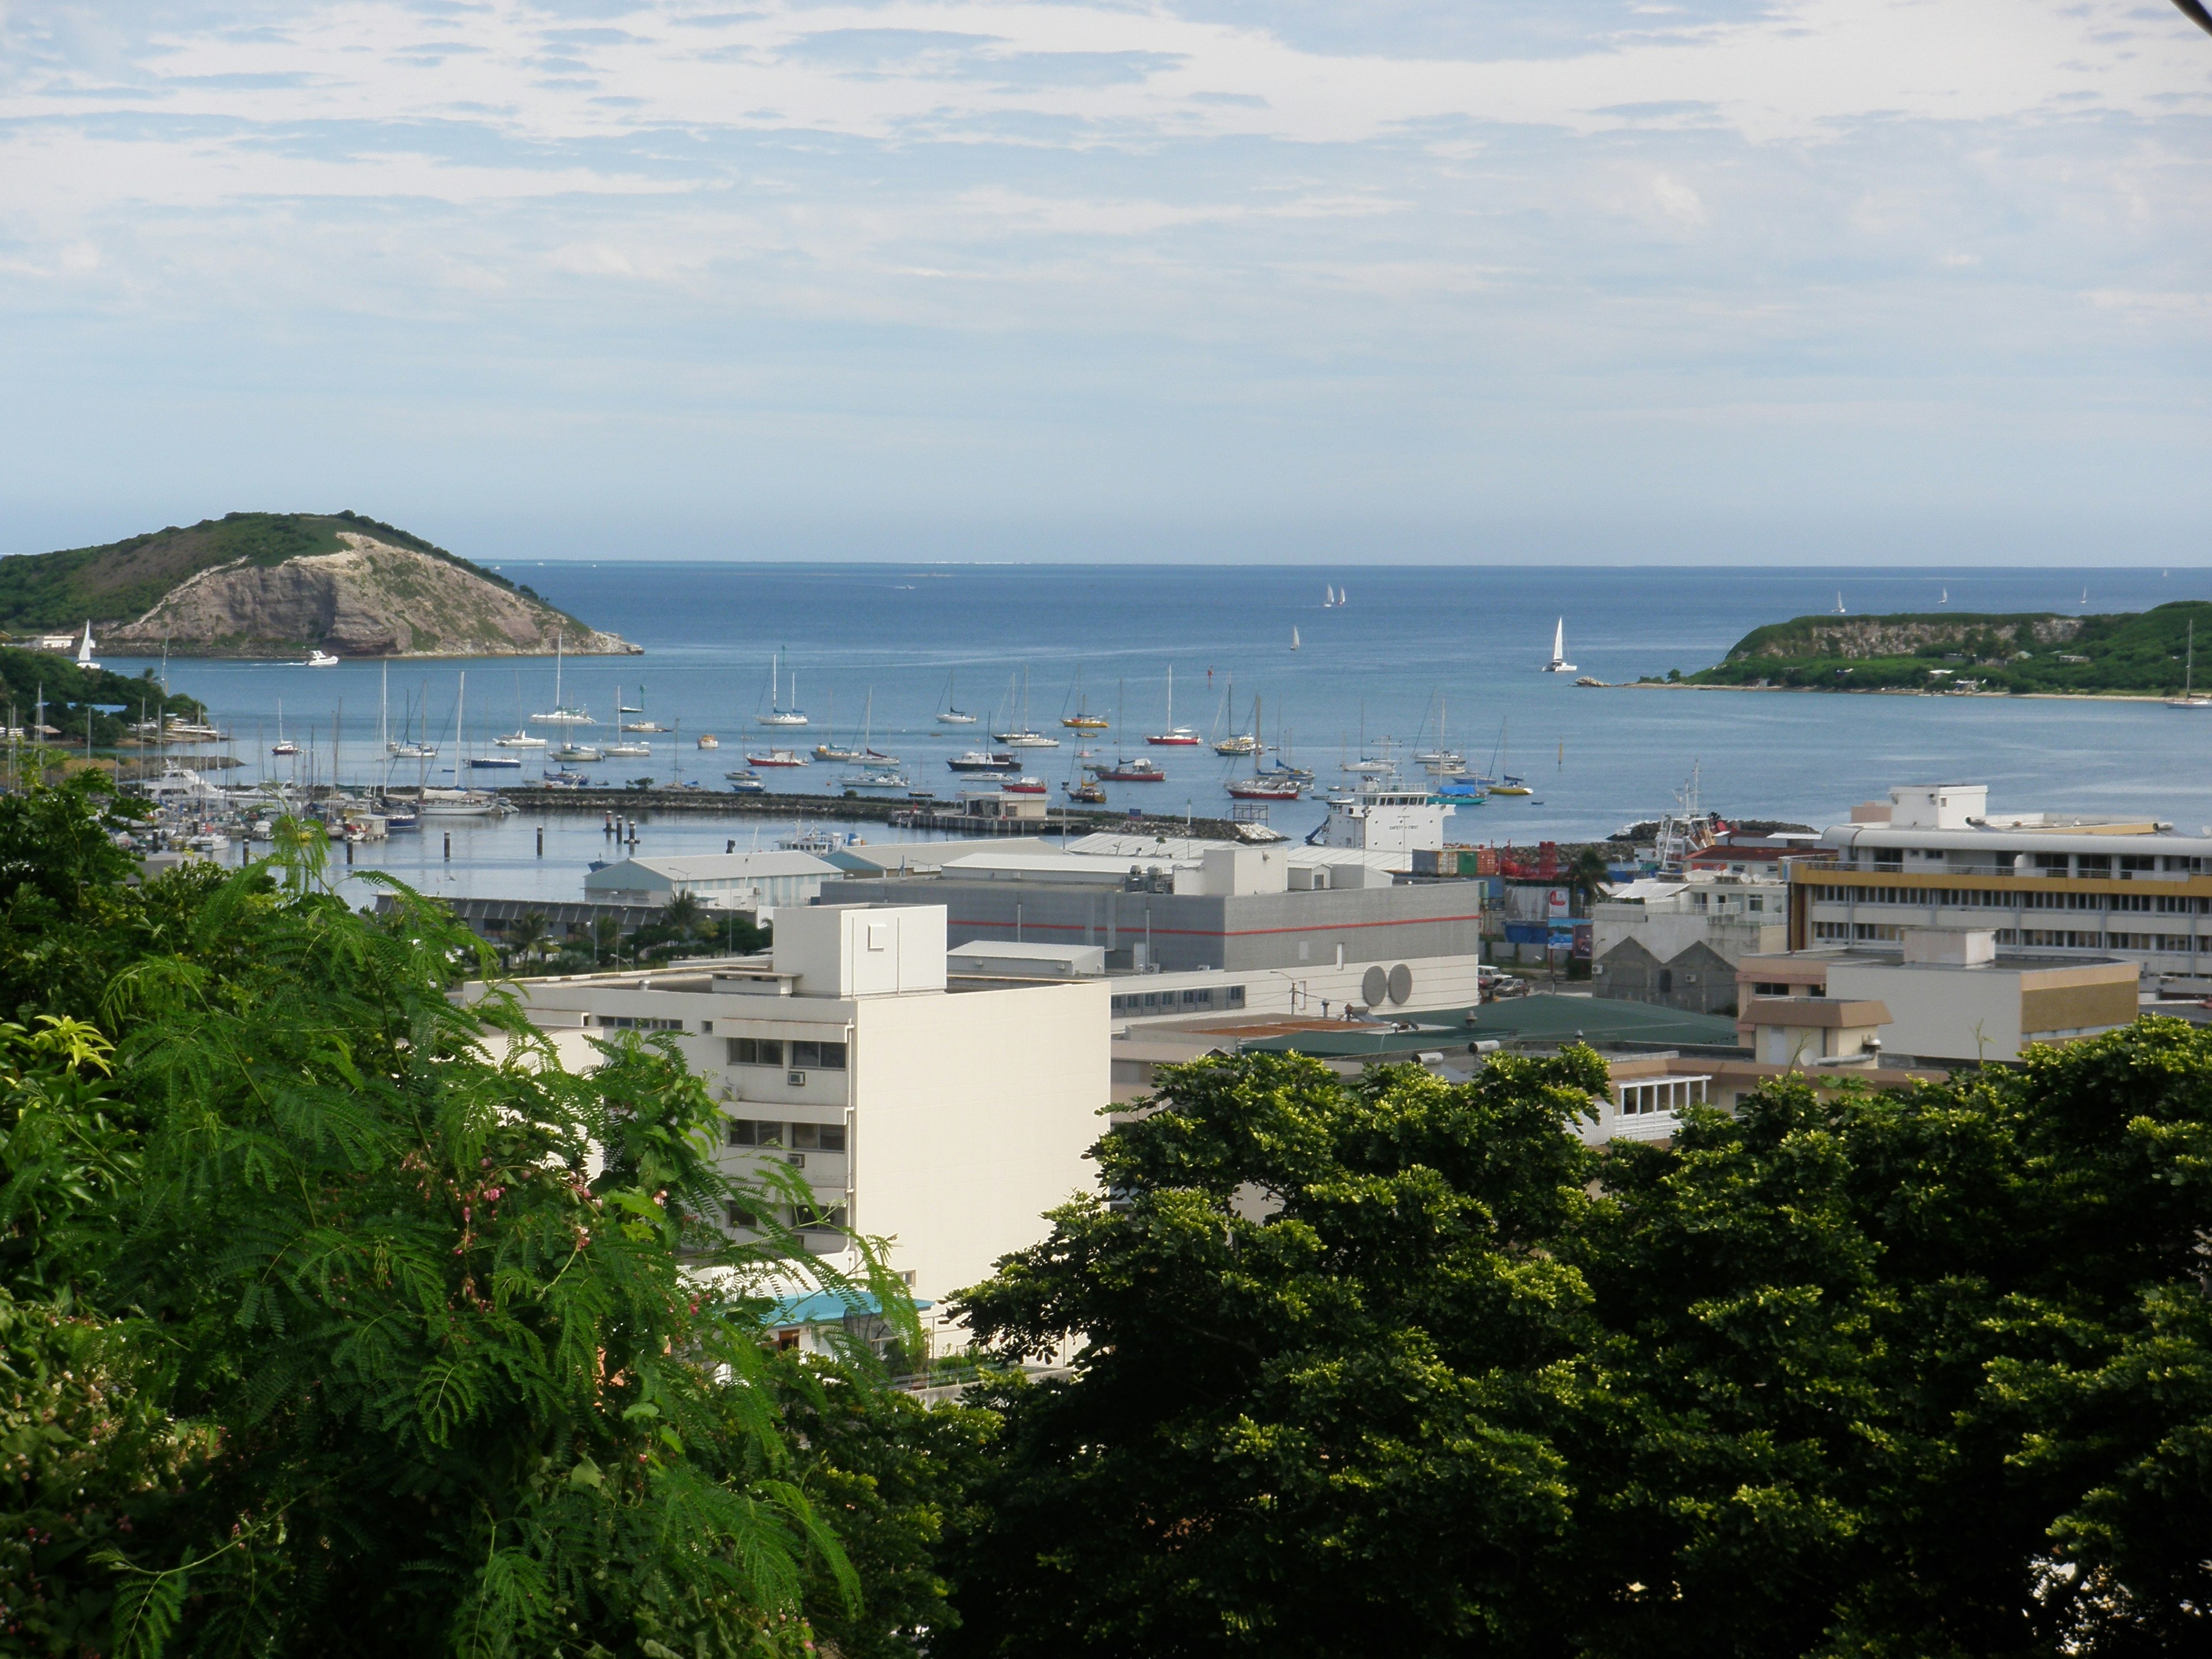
x=1328, y=598
x=951, y=714
x=621, y=707
x=518, y=738
x=1558, y=664
x=283, y=745
x=1839, y=610
x=560, y=713
x=777, y=713
x=1294, y=636
x=1944, y=597
x=84, y=648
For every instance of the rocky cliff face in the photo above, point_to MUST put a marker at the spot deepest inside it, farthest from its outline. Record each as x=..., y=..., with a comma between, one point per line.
x=370, y=599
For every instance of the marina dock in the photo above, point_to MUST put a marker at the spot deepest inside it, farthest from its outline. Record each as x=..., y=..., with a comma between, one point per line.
x=857, y=809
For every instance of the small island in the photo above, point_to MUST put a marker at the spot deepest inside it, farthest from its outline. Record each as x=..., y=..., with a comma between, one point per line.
x=2147, y=653
x=284, y=584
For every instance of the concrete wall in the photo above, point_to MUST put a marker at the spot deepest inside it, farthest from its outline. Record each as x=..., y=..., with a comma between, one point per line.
x=972, y=1115
x=1967, y=1013
x=1287, y=930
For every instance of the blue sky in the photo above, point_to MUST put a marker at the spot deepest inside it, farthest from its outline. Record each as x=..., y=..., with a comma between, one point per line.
x=1797, y=281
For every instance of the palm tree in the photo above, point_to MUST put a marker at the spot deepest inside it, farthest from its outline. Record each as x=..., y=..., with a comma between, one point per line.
x=1586, y=872
x=529, y=936
x=682, y=913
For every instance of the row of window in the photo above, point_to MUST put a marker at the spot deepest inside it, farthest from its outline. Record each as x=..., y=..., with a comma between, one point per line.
x=1985, y=898
x=635, y=1022
x=831, y=1220
x=2065, y=938
x=1156, y=1002
x=799, y=1137
x=2096, y=866
x=774, y=1051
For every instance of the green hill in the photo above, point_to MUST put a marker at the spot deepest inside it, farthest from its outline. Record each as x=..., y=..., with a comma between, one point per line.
x=73, y=695
x=2143, y=653
x=121, y=580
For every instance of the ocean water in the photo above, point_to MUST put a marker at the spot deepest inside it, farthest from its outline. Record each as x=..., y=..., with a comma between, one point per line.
x=1413, y=647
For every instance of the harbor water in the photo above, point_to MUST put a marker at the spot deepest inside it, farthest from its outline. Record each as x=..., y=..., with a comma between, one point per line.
x=1413, y=658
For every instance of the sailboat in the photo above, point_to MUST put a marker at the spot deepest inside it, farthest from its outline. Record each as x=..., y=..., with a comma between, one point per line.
x=1294, y=636
x=1082, y=720
x=1175, y=736
x=1020, y=734
x=1944, y=597
x=1839, y=610
x=462, y=803
x=777, y=713
x=1262, y=786
x=84, y=648
x=1443, y=761
x=827, y=749
x=487, y=762
x=407, y=748
x=1507, y=784
x=621, y=707
x=2189, y=699
x=283, y=745
x=518, y=738
x=1328, y=598
x=1558, y=664
x=951, y=714
x=560, y=713
x=1237, y=743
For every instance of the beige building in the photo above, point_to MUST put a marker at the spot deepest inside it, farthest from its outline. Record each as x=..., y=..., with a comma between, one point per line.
x=1940, y=995
x=946, y=1120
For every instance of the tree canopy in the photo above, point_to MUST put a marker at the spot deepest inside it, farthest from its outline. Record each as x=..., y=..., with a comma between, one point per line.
x=1398, y=1363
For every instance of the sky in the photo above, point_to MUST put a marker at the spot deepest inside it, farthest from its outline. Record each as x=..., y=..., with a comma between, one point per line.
x=1882, y=281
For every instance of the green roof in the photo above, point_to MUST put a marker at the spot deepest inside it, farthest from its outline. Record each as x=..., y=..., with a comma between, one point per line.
x=1597, y=1020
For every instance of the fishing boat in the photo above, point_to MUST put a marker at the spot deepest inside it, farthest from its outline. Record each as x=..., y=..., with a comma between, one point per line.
x=984, y=759
x=626, y=750
x=746, y=783
x=315, y=659
x=777, y=713
x=1558, y=664
x=709, y=740
x=569, y=754
x=560, y=713
x=1139, y=770
x=776, y=757
x=1175, y=736
x=1023, y=786
x=283, y=745
x=951, y=714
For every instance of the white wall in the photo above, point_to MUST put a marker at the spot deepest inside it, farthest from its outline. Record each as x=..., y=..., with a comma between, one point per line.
x=1967, y=1013
x=972, y=1114
x=862, y=950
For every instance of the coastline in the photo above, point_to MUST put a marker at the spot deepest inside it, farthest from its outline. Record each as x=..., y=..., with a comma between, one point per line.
x=1890, y=691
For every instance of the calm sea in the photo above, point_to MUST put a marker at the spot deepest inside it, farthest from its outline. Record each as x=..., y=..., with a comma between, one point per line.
x=1413, y=649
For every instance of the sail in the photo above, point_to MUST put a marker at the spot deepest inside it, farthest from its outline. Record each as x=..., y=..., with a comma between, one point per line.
x=1559, y=640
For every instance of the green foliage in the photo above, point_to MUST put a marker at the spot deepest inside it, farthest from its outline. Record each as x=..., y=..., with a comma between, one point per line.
x=118, y=581
x=337, y=1318
x=1919, y=1374
x=2146, y=652
x=73, y=695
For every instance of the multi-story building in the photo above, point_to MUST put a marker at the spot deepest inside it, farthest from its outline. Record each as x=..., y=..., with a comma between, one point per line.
x=946, y=1119
x=1935, y=856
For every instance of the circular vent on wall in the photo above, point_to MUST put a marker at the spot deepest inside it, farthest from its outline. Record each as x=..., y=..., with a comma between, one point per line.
x=1401, y=982
x=1374, y=986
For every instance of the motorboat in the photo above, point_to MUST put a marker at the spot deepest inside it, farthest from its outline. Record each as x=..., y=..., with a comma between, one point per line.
x=709, y=740
x=747, y=782
x=315, y=659
x=1023, y=786
x=1025, y=739
x=984, y=759
x=778, y=758
x=518, y=740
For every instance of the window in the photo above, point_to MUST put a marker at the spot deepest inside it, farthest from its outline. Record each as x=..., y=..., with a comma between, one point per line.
x=748, y=1131
x=2051, y=861
x=1235, y=996
x=2174, y=945
x=1839, y=932
x=2137, y=861
x=755, y=1051
x=831, y=1220
x=818, y=1137
x=1755, y=902
x=1661, y=1094
x=824, y=1056
x=2093, y=864
x=630, y=1023
x=739, y=1216
x=1770, y=988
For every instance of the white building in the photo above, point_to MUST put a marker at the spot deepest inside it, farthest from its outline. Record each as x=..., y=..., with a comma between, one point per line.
x=948, y=1120
x=763, y=882
x=1385, y=820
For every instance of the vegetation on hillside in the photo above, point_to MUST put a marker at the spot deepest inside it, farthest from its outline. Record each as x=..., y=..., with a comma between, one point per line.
x=113, y=702
x=121, y=580
x=2144, y=652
